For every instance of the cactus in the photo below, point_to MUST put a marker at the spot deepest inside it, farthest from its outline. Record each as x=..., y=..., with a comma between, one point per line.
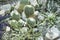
x=51, y=16
x=21, y=23
x=15, y=15
x=29, y=10
x=31, y=22
x=13, y=23
x=22, y=4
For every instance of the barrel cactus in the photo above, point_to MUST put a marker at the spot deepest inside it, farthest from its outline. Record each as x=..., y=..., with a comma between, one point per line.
x=31, y=22
x=29, y=10
x=15, y=15
x=22, y=4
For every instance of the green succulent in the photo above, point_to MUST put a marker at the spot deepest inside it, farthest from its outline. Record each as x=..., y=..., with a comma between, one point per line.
x=21, y=23
x=31, y=22
x=29, y=10
x=13, y=23
x=51, y=16
x=15, y=15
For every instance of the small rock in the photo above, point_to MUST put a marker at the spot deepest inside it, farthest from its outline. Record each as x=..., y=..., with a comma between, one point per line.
x=17, y=5
x=6, y=7
x=40, y=38
x=24, y=29
x=7, y=28
x=33, y=2
x=35, y=30
x=24, y=16
x=58, y=39
x=52, y=33
x=2, y=12
x=40, y=17
x=36, y=13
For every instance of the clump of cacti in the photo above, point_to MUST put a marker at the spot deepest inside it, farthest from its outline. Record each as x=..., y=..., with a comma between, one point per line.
x=29, y=10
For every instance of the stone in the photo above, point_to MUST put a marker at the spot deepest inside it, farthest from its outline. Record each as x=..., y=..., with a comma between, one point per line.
x=52, y=33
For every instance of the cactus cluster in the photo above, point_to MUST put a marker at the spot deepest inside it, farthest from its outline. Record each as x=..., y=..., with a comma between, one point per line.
x=31, y=21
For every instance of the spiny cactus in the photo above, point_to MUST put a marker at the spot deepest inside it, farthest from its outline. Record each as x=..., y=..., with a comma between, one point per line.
x=21, y=23
x=15, y=15
x=29, y=10
x=22, y=4
x=31, y=22
x=13, y=23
